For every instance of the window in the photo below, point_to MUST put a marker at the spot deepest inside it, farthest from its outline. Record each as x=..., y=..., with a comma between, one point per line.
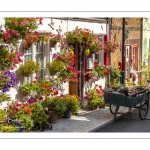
x=100, y=57
x=37, y=54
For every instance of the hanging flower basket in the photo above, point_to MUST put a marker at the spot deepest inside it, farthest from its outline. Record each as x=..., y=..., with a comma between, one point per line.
x=52, y=43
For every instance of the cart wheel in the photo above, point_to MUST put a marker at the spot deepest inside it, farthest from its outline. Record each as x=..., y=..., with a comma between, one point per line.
x=143, y=110
x=113, y=108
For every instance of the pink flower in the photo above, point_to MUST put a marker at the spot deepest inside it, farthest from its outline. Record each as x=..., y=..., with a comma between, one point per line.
x=7, y=29
x=13, y=31
x=17, y=34
x=15, y=23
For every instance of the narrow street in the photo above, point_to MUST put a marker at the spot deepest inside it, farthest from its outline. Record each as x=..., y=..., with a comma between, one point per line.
x=128, y=122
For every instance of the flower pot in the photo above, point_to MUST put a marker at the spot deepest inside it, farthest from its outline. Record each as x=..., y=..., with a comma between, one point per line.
x=20, y=129
x=52, y=43
x=102, y=106
x=93, y=108
x=52, y=117
x=67, y=114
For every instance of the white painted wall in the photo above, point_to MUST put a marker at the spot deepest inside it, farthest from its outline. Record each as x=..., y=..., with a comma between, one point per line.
x=66, y=26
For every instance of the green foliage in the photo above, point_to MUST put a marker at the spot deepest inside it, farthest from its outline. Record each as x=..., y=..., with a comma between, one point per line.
x=94, y=98
x=27, y=87
x=73, y=103
x=49, y=103
x=28, y=68
x=55, y=66
x=4, y=97
x=100, y=70
x=38, y=116
x=8, y=128
x=115, y=75
x=60, y=106
x=2, y=114
x=25, y=120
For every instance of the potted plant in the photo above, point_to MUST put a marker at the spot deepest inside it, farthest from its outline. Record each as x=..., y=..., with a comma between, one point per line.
x=101, y=70
x=28, y=68
x=54, y=38
x=60, y=106
x=4, y=97
x=73, y=105
x=17, y=28
x=7, y=81
x=115, y=75
x=27, y=88
x=9, y=59
x=49, y=104
x=55, y=66
x=95, y=97
x=39, y=117
x=110, y=46
x=31, y=38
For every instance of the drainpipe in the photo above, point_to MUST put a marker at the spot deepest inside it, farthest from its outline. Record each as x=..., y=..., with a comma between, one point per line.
x=123, y=55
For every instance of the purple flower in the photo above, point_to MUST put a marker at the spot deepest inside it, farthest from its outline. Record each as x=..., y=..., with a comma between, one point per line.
x=9, y=79
x=54, y=56
x=51, y=80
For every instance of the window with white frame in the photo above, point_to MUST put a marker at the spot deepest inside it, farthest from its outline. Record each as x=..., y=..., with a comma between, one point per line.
x=36, y=53
x=100, y=56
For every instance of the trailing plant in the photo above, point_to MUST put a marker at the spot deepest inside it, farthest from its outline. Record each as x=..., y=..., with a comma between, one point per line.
x=55, y=66
x=9, y=59
x=110, y=46
x=8, y=80
x=2, y=115
x=28, y=68
x=101, y=70
x=55, y=37
x=17, y=28
x=31, y=38
x=4, y=97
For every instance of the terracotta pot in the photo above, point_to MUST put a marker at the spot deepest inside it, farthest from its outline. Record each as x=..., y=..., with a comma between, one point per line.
x=93, y=108
x=52, y=43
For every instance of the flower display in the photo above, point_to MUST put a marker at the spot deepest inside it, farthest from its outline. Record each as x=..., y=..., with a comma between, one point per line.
x=17, y=28
x=102, y=70
x=8, y=80
x=9, y=58
x=28, y=68
x=55, y=37
x=115, y=75
x=110, y=46
x=85, y=36
x=95, y=97
x=30, y=38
